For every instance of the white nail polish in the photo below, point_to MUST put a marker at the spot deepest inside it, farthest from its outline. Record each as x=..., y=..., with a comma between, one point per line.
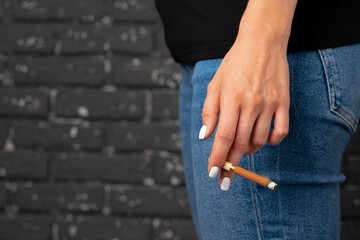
x=225, y=184
x=213, y=172
x=202, y=132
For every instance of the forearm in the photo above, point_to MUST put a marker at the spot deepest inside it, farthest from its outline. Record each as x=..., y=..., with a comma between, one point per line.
x=270, y=19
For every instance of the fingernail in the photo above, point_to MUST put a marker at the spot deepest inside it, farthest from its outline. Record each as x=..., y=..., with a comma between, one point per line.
x=202, y=132
x=213, y=172
x=225, y=184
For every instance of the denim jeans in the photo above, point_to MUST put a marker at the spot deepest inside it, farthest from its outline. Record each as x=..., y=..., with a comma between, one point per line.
x=324, y=112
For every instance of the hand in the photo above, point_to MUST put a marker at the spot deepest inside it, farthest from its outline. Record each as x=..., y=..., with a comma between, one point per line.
x=250, y=87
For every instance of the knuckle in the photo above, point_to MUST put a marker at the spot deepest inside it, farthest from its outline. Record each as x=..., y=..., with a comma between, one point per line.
x=250, y=151
x=255, y=101
x=258, y=100
x=260, y=141
x=225, y=135
x=282, y=132
x=206, y=112
x=283, y=100
x=216, y=159
x=239, y=145
x=236, y=98
x=272, y=103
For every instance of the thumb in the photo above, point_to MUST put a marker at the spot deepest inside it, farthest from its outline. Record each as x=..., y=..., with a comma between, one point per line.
x=210, y=111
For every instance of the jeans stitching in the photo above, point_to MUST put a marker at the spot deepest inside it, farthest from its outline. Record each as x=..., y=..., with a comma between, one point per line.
x=327, y=78
x=182, y=87
x=348, y=118
x=278, y=194
x=329, y=75
x=352, y=118
x=257, y=214
x=190, y=68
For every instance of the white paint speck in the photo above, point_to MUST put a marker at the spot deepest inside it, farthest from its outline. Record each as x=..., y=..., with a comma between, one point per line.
x=149, y=181
x=34, y=197
x=73, y=132
x=72, y=230
x=83, y=111
x=2, y=171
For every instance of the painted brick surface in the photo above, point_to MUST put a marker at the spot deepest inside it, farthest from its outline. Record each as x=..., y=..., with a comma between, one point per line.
x=4, y=125
x=145, y=72
x=173, y=229
x=56, y=70
x=32, y=133
x=130, y=135
x=134, y=38
x=353, y=169
x=354, y=144
x=23, y=164
x=89, y=130
x=24, y=101
x=349, y=229
x=91, y=103
x=152, y=200
x=3, y=196
x=165, y=104
x=26, y=226
x=25, y=38
x=98, y=227
x=47, y=196
x=168, y=169
x=132, y=10
x=57, y=9
x=350, y=199
x=122, y=167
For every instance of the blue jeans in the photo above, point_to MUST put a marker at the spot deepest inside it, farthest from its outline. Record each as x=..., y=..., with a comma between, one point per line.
x=324, y=112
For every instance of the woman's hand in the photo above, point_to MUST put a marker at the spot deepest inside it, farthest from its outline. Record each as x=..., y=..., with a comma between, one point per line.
x=250, y=87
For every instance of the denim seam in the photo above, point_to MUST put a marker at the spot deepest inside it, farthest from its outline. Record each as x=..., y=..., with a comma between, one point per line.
x=329, y=75
x=192, y=145
x=190, y=68
x=222, y=222
x=196, y=198
x=278, y=195
x=327, y=78
x=350, y=115
x=253, y=193
x=330, y=57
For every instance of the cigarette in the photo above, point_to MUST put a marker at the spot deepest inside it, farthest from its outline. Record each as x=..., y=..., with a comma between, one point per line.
x=250, y=175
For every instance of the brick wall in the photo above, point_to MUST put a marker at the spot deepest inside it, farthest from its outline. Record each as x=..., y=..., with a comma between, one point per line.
x=89, y=128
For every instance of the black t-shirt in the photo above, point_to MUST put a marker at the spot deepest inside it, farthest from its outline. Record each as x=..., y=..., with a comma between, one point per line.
x=204, y=29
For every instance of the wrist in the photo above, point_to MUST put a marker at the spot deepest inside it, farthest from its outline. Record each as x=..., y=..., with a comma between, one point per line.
x=263, y=36
x=267, y=22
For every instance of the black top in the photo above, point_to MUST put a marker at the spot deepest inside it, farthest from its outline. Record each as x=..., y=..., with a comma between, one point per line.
x=204, y=29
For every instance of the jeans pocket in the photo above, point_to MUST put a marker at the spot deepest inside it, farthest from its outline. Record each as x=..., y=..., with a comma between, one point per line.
x=187, y=67
x=342, y=84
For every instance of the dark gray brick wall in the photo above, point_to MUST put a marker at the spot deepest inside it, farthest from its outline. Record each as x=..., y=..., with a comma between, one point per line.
x=26, y=226
x=57, y=9
x=24, y=164
x=55, y=71
x=89, y=130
